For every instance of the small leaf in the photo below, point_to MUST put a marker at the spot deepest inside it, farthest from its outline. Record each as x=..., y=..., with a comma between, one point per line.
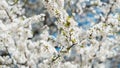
x=71, y=30
x=63, y=32
x=104, y=24
x=57, y=12
x=82, y=46
x=73, y=40
x=67, y=24
x=68, y=18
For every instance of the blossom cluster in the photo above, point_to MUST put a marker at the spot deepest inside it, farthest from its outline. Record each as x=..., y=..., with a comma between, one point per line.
x=54, y=35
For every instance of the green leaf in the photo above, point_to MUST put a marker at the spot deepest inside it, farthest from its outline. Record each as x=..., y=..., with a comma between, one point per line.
x=73, y=40
x=67, y=24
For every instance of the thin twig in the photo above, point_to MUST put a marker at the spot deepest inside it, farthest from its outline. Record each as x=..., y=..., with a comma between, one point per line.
x=11, y=20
